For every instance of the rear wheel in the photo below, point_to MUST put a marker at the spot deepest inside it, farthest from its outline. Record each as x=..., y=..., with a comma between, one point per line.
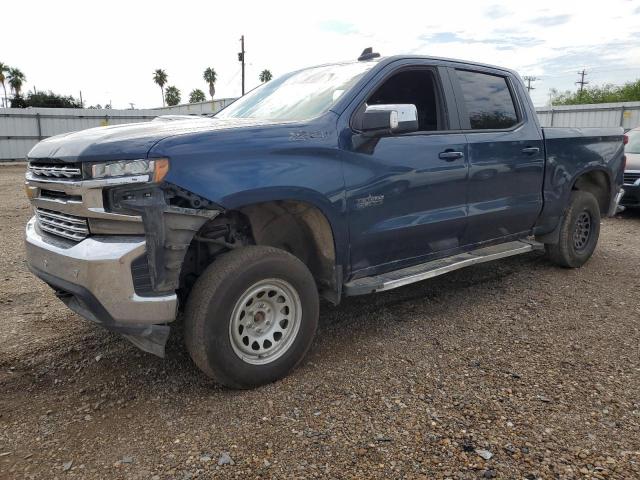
x=251, y=316
x=579, y=231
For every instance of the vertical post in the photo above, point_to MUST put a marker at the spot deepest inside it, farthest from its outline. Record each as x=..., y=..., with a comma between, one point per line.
x=551, y=124
x=39, y=124
x=581, y=82
x=622, y=116
x=242, y=60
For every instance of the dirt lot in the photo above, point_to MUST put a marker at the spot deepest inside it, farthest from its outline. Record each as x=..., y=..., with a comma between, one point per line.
x=537, y=365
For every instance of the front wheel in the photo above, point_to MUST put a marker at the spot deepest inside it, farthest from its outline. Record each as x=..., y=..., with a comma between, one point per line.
x=579, y=231
x=251, y=316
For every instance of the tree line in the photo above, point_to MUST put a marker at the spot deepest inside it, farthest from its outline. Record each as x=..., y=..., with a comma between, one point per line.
x=15, y=79
x=172, y=95
x=608, y=93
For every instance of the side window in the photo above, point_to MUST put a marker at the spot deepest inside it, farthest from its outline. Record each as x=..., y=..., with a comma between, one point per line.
x=417, y=87
x=488, y=100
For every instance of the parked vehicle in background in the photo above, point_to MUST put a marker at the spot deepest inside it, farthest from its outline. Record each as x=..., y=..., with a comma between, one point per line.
x=631, y=198
x=336, y=180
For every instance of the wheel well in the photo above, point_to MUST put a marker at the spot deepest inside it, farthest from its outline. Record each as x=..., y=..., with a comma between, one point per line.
x=296, y=227
x=595, y=182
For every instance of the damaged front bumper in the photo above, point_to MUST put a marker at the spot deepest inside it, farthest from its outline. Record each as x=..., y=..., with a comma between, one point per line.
x=94, y=278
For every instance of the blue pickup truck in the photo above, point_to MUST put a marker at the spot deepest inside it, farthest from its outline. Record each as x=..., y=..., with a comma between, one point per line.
x=337, y=180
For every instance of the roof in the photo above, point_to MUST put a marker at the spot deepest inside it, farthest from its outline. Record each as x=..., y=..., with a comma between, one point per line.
x=394, y=58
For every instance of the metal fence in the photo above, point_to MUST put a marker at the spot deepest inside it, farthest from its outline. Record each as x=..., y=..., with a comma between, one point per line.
x=626, y=115
x=21, y=129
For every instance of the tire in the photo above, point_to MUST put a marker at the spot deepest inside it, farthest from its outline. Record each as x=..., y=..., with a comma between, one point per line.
x=579, y=231
x=251, y=316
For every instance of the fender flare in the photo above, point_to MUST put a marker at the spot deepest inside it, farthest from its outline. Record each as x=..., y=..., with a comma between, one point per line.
x=334, y=212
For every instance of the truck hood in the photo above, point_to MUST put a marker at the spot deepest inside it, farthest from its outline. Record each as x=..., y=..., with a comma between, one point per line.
x=129, y=141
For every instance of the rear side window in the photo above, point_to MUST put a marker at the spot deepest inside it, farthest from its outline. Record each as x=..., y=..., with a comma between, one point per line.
x=488, y=100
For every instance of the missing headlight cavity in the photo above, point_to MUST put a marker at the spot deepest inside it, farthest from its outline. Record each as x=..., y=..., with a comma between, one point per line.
x=182, y=198
x=168, y=228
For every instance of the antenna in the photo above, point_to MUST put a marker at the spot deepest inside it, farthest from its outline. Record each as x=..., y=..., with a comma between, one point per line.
x=368, y=54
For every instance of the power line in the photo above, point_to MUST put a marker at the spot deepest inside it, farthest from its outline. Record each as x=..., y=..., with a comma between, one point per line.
x=582, y=82
x=530, y=79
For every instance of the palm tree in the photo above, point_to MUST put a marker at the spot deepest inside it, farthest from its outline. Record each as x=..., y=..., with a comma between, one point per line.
x=4, y=68
x=16, y=79
x=172, y=96
x=265, y=76
x=196, y=96
x=210, y=77
x=160, y=77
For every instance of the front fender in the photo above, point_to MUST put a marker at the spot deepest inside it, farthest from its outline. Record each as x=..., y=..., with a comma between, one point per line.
x=240, y=167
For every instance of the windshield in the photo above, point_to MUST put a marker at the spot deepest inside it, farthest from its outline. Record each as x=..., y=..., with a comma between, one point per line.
x=634, y=142
x=299, y=95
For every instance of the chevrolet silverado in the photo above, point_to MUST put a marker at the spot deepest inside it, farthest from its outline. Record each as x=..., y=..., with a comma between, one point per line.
x=336, y=180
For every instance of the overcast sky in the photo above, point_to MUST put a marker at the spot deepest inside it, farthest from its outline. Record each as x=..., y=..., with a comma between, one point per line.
x=110, y=49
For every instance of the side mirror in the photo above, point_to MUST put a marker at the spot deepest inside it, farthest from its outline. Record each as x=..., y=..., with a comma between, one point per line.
x=393, y=118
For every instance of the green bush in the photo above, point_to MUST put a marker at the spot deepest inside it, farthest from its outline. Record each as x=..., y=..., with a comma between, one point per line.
x=629, y=92
x=44, y=99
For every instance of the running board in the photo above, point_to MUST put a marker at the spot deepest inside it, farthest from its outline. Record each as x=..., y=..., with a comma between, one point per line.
x=405, y=276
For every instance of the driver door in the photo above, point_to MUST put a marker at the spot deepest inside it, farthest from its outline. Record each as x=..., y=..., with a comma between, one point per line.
x=406, y=193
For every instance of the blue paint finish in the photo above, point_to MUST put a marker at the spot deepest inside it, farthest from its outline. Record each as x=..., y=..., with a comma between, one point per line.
x=505, y=184
x=118, y=142
x=286, y=161
x=390, y=201
x=422, y=207
x=570, y=153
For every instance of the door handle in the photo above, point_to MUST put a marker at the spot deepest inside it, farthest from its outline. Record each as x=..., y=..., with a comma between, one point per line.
x=530, y=150
x=450, y=155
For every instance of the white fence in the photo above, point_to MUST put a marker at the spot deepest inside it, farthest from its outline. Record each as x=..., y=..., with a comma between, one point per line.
x=22, y=128
x=200, y=108
x=626, y=115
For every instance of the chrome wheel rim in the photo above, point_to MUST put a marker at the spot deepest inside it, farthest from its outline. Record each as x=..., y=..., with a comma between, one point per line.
x=582, y=231
x=265, y=321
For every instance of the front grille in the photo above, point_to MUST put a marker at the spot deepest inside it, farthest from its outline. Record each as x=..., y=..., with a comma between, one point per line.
x=56, y=170
x=631, y=177
x=62, y=196
x=62, y=224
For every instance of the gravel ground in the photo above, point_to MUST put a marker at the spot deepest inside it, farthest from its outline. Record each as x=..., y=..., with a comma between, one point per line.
x=512, y=369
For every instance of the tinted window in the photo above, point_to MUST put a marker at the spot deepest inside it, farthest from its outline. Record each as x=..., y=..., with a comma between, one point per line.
x=488, y=100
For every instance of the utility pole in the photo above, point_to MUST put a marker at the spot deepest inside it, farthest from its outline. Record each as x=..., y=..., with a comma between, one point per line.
x=241, y=58
x=582, y=82
x=529, y=80
x=81, y=103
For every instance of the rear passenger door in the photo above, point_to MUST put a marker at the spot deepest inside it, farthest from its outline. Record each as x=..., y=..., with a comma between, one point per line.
x=505, y=154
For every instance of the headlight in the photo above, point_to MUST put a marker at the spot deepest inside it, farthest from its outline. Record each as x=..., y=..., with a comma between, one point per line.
x=157, y=169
